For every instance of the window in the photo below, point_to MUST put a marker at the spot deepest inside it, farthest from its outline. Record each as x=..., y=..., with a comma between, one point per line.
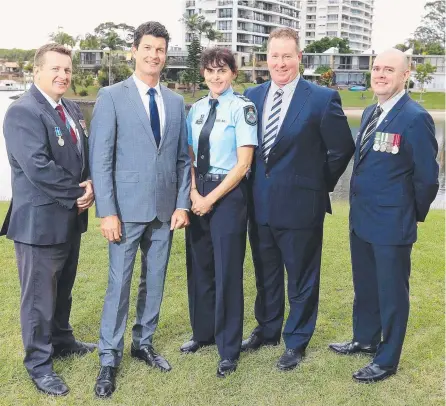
x=225, y=13
x=225, y=25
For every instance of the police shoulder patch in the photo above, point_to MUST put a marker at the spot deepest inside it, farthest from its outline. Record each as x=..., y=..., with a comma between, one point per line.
x=250, y=114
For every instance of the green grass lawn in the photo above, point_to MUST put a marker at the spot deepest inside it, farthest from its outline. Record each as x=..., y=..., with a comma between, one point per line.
x=431, y=100
x=323, y=378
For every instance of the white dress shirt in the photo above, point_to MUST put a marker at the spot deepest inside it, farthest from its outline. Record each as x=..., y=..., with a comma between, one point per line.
x=143, y=92
x=388, y=105
x=288, y=91
x=71, y=122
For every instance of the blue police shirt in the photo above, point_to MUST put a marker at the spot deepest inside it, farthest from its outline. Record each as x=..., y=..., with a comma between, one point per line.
x=235, y=126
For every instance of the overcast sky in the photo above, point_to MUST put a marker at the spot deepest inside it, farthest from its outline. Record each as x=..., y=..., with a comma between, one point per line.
x=395, y=20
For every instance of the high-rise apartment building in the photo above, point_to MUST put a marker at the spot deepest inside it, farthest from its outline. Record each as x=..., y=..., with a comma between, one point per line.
x=244, y=23
x=351, y=19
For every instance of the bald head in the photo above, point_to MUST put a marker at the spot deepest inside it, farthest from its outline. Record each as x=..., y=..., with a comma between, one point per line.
x=389, y=73
x=396, y=56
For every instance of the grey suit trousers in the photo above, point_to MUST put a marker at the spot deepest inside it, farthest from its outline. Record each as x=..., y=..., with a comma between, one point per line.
x=154, y=240
x=47, y=274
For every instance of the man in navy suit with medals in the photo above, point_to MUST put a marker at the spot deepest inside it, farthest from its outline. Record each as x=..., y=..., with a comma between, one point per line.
x=46, y=141
x=305, y=144
x=394, y=181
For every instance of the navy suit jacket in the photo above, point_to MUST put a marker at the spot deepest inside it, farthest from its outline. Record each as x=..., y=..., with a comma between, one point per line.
x=45, y=176
x=389, y=193
x=311, y=151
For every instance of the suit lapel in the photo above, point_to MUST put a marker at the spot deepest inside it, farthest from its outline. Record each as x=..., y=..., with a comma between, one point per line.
x=365, y=121
x=55, y=116
x=393, y=113
x=298, y=101
x=167, y=112
x=79, y=131
x=135, y=99
x=261, y=103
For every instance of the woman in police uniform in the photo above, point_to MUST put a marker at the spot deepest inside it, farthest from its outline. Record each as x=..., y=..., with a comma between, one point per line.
x=222, y=130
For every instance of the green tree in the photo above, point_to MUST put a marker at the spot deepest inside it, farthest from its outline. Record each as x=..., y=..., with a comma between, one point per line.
x=317, y=47
x=193, y=75
x=213, y=35
x=423, y=75
x=326, y=78
x=368, y=79
x=14, y=54
x=90, y=41
x=301, y=68
x=432, y=28
x=322, y=69
x=241, y=78
x=63, y=38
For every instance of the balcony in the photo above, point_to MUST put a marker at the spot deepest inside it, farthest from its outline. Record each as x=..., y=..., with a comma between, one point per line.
x=190, y=4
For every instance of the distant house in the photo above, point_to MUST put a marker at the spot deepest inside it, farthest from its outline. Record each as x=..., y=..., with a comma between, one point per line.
x=9, y=67
x=91, y=59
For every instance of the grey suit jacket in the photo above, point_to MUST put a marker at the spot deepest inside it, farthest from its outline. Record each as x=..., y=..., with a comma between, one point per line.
x=133, y=178
x=45, y=176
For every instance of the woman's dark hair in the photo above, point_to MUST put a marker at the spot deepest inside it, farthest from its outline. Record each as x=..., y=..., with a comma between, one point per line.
x=218, y=57
x=153, y=28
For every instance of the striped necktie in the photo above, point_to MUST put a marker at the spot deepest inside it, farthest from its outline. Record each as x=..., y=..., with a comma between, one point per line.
x=371, y=127
x=272, y=126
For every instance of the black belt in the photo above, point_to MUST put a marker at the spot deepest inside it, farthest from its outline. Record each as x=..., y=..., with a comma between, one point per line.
x=212, y=177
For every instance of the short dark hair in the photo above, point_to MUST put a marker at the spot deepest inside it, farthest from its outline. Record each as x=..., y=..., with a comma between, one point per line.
x=218, y=57
x=153, y=28
x=39, y=56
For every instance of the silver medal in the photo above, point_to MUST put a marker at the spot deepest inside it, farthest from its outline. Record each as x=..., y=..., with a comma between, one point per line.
x=395, y=149
x=61, y=142
x=376, y=147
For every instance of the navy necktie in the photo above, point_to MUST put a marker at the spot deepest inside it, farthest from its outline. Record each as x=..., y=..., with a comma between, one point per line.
x=203, y=159
x=154, y=116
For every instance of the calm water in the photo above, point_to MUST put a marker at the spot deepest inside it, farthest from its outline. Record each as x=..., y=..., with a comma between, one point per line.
x=340, y=193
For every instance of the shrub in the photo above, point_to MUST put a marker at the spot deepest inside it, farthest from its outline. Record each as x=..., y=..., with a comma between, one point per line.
x=83, y=92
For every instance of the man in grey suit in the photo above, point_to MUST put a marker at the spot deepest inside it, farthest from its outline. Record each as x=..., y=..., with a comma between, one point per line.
x=139, y=160
x=46, y=141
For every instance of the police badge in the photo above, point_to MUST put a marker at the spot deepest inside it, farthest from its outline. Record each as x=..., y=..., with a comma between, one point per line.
x=250, y=115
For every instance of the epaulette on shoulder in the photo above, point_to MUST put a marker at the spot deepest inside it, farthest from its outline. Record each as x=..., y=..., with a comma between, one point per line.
x=240, y=96
x=201, y=98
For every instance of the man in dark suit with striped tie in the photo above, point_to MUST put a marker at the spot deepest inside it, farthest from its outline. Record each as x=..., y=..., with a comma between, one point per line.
x=305, y=145
x=394, y=181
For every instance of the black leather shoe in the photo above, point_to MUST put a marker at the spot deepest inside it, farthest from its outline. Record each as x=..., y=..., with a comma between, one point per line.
x=77, y=348
x=352, y=347
x=105, y=382
x=226, y=367
x=51, y=384
x=254, y=342
x=290, y=359
x=373, y=373
x=151, y=358
x=192, y=346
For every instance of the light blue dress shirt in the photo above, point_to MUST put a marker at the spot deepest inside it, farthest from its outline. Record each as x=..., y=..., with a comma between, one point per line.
x=235, y=126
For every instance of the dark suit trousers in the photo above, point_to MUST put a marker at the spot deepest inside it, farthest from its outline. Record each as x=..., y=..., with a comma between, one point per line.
x=300, y=252
x=47, y=274
x=216, y=245
x=381, y=305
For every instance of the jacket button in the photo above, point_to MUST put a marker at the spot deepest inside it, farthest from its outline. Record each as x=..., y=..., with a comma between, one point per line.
x=267, y=175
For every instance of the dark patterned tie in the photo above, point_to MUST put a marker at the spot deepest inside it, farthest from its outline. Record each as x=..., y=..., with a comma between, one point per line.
x=272, y=125
x=371, y=127
x=203, y=159
x=59, y=109
x=154, y=117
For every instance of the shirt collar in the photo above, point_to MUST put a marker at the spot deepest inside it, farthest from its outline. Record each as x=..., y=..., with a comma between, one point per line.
x=48, y=98
x=390, y=103
x=144, y=88
x=288, y=88
x=228, y=92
